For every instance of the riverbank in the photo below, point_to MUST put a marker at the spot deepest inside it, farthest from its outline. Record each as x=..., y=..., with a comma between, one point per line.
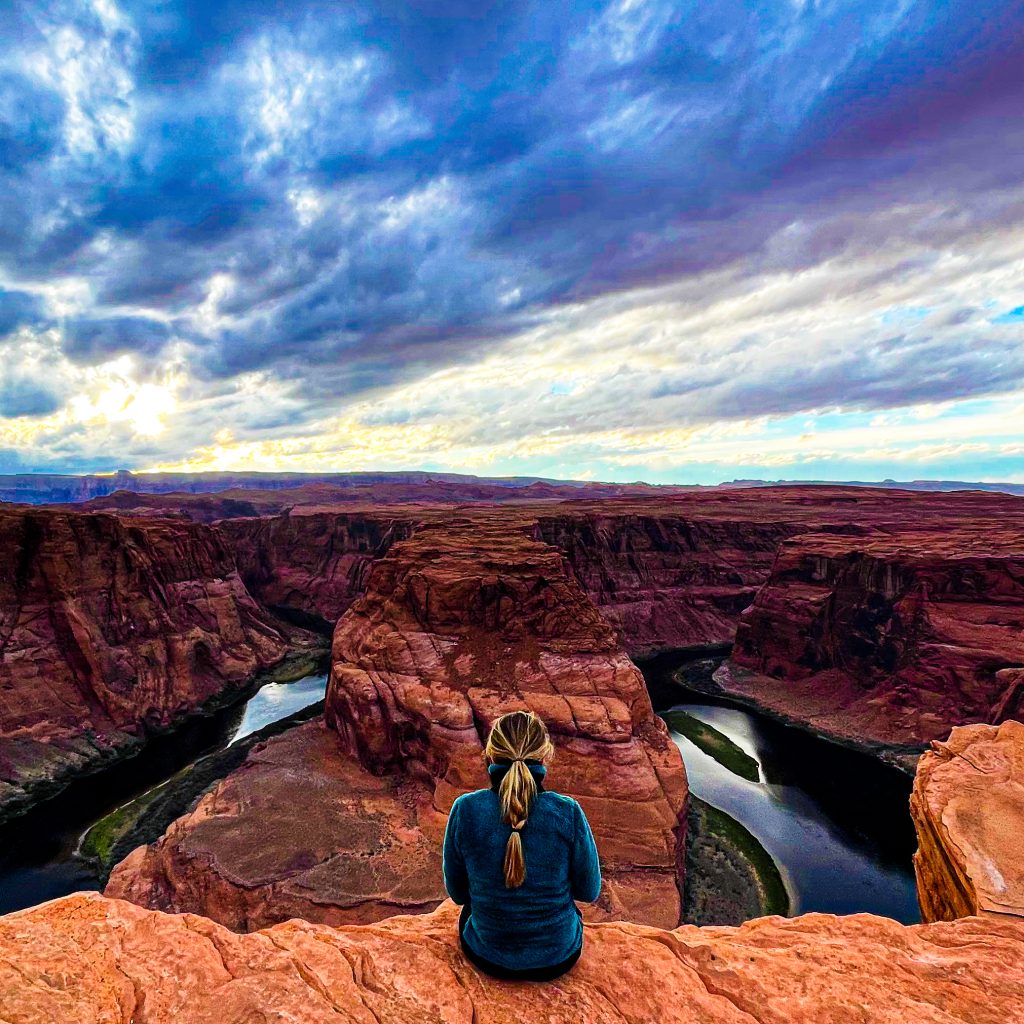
x=146, y=817
x=782, y=820
x=730, y=876
x=87, y=757
x=679, y=674
x=134, y=799
x=903, y=756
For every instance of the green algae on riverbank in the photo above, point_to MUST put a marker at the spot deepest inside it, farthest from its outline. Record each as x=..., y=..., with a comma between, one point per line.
x=145, y=818
x=730, y=876
x=714, y=743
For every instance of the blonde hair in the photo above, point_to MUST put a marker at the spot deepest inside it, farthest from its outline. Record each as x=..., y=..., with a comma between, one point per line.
x=517, y=737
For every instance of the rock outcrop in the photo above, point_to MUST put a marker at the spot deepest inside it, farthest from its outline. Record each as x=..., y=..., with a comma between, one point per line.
x=890, y=638
x=299, y=830
x=461, y=622
x=87, y=958
x=968, y=807
x=110, y=627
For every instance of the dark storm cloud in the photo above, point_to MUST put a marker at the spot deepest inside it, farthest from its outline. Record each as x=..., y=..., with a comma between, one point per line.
x=94, y=341
x=469, y=164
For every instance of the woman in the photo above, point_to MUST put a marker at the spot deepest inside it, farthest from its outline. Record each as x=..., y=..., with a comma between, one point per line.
x=516, y=856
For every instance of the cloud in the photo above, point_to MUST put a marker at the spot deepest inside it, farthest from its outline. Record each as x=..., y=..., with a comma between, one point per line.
x=27, y=398
x=91, y=341
x=16, y=309
x=429, y=213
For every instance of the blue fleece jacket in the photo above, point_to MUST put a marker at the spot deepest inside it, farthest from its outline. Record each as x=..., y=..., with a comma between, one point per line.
x=536, y=924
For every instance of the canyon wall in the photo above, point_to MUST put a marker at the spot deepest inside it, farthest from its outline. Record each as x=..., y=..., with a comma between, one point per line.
x=889, y=638
x=667, y=579
x=88, y=958
x=311, y=560
x=968, y=808
x=109, y=627
x=466, y=619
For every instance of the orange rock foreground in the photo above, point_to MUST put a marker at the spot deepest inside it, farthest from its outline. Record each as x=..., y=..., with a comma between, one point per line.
x=86, y=959
x=968, y=807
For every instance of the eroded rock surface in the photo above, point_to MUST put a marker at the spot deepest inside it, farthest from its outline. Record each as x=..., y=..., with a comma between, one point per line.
x=109, y=626
x=312, y=560
x=968, y=807
x=463, y=623
x=299, y=830
x=891, y=637
x=668, y=577
x=87, y=958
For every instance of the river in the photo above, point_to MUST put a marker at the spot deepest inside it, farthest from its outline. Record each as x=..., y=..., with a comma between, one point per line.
x=37, y=849
x=836, y=822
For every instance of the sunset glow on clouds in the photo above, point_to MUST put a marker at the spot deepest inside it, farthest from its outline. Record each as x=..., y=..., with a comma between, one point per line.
x=629, y=240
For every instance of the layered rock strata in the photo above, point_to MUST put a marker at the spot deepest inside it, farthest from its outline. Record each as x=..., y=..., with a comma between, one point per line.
x=110, y=627
x=460, y=625
x=665, y=578
x=87, y=958
x=309, y=560
x=889, y=638
x=968, y=807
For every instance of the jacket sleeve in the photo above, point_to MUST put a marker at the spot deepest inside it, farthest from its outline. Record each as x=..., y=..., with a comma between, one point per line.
x=586, y=868
x=456, y=880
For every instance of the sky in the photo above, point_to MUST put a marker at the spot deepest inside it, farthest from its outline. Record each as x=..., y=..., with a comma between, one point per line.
x=645, y=239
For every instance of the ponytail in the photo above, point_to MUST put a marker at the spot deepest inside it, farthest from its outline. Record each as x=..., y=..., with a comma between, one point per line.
x=516, y=792
x=516, y=738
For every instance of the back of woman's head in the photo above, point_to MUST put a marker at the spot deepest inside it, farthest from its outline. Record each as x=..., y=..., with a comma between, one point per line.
x=516, y=738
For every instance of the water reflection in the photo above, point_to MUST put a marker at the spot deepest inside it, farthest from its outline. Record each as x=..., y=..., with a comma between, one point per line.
x=835, y=821
x=37, y=850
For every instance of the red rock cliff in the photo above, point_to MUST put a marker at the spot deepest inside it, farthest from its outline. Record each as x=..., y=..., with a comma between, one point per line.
x=890, y=638
x=108, y=626
x=466, y=621
x=314, y=561
x=90, y=959
x=667, y=578
x=968, y=806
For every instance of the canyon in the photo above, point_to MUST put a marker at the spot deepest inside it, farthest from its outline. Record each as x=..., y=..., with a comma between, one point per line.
x=89, y=957
x=889, y=637
x=306, y=882
x=110, y=629
x=459, y=623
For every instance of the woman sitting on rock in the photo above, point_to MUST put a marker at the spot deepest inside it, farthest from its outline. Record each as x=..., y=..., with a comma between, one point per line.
x=516, y=856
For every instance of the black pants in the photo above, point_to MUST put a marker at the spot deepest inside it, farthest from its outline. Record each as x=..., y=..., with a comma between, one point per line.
x=507, y=973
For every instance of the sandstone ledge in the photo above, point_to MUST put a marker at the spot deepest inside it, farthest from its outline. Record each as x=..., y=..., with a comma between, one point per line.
x=968, y=807
x=89, y=958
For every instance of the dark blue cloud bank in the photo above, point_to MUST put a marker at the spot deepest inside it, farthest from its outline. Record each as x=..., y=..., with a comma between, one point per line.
x=291, y=221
